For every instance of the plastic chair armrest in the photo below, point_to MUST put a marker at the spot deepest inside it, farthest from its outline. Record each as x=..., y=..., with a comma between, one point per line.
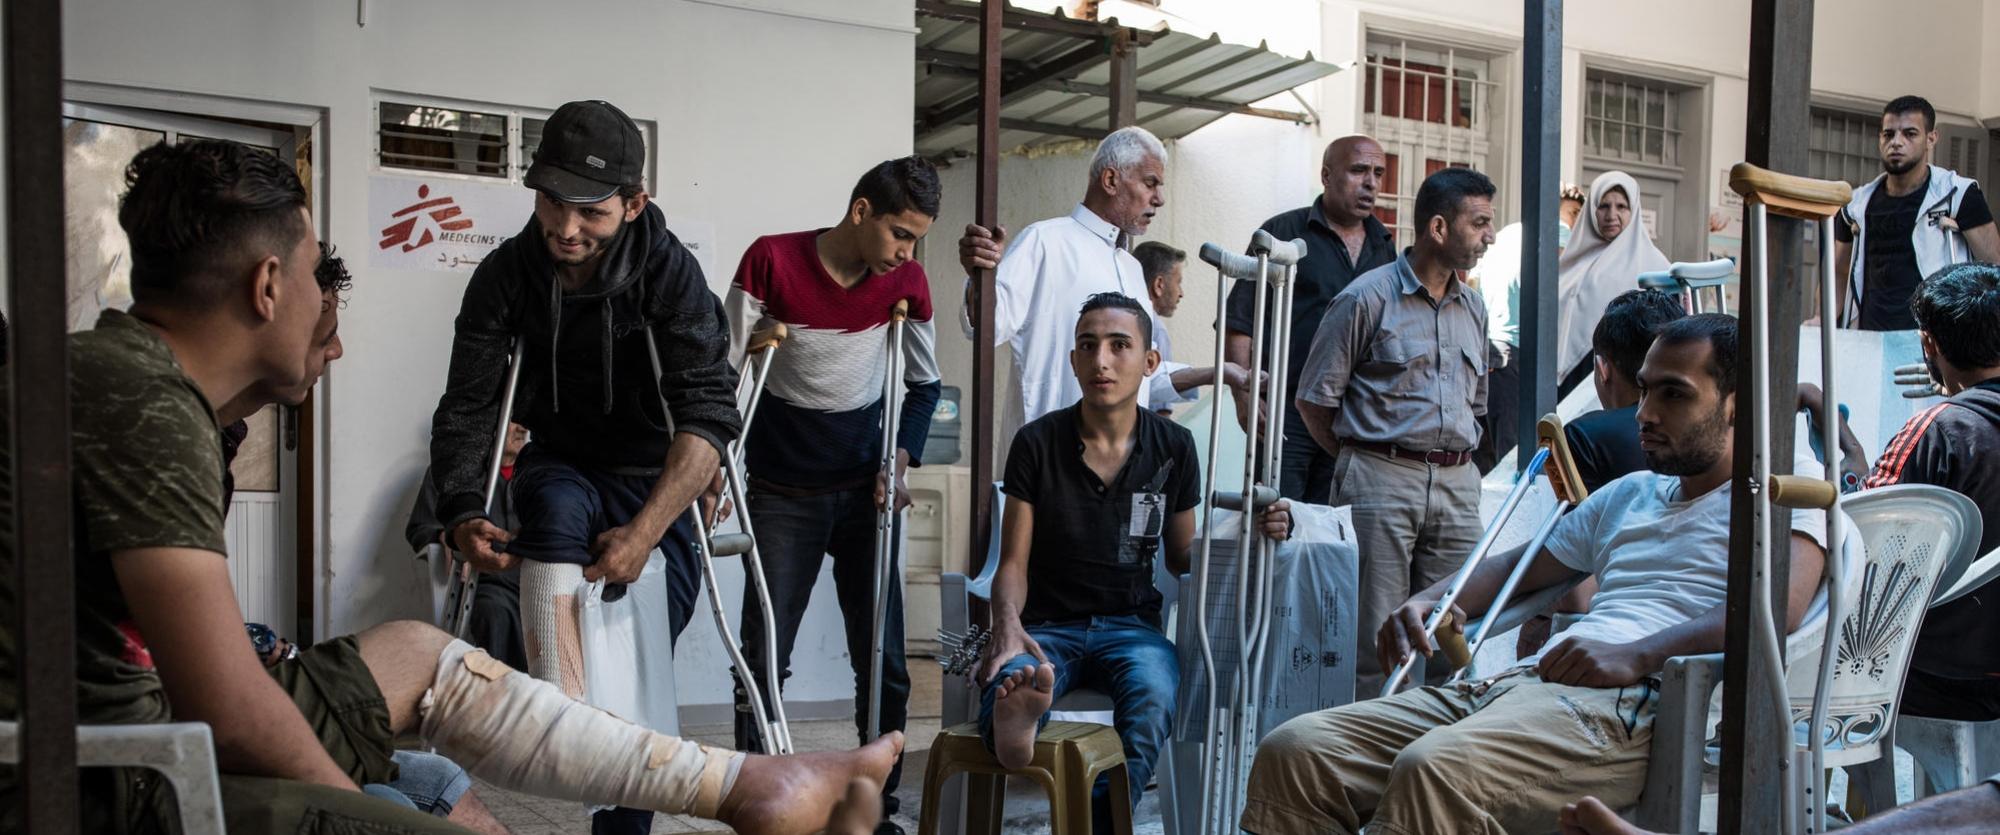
x=1671, y=799
x=1982, y=571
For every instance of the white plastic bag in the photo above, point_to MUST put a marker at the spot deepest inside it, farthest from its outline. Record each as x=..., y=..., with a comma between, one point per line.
x=628, y=653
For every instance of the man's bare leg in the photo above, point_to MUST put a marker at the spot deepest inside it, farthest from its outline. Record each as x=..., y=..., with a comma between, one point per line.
x=1962, y=812
x=472, y=814
x=1024, y=696
x=776, y=795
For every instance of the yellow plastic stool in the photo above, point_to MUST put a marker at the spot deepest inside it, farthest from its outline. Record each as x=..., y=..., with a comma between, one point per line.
x=1068, y=758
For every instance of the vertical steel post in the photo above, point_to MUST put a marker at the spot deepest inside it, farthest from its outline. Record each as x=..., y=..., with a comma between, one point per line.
x=986, y=213
x=1756, y=758
x=43, y=597
x=1541, y=176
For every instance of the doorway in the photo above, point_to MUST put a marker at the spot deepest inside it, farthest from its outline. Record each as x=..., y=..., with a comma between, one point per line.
x=262, y=527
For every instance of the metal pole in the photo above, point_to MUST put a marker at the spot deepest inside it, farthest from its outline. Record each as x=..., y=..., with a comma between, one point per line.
x=1757, y=757
x=1541, y=175
x=987, y=214
x=44, y=617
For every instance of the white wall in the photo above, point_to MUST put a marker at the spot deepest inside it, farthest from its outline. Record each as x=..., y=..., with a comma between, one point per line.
x=765, y=120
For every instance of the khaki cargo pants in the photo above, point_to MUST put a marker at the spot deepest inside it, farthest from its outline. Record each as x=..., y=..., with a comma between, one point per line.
x=1494, y=756
x=1414, y=524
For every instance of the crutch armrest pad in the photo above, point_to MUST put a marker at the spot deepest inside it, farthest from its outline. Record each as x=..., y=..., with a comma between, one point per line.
x=1280, y=253
x=1789, y=194
x=1234, y=265
x=770, y=337
x=1801, y=492
x=901, y=311
x=1561, y=468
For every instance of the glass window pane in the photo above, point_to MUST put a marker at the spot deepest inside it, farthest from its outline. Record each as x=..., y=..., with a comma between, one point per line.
x=442, y=139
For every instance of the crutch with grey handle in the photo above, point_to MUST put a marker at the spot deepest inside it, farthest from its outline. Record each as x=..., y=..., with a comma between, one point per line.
x=1231, y=736
x=885, y=516
x=465, y=579
x=771, y=724
x=1691, y=280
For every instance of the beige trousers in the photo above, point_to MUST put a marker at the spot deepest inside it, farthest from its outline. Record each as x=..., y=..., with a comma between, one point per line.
x=1414, y=524
x=1496, y=756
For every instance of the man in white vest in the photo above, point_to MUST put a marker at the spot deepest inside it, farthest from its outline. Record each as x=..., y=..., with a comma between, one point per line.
x=1913, y=220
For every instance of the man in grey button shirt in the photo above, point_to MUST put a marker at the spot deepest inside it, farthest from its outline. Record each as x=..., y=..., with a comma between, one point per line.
x=1393, y=389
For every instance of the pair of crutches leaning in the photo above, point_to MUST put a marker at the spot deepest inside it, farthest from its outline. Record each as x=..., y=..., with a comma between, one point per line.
x=772, y=725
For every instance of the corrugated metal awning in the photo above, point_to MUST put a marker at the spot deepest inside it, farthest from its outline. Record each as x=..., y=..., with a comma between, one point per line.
x=1057, y=77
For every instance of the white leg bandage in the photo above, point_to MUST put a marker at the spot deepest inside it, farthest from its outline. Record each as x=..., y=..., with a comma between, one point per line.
x=549, y=623
x=511, y=730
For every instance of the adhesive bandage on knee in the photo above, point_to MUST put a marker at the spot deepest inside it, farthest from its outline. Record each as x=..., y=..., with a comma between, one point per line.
x=509, y=729
x=549, y=623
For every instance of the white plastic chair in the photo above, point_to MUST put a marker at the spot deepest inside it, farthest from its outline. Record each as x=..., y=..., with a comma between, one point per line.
x=182, y=752
x=1947, y=754
x=1911, y=533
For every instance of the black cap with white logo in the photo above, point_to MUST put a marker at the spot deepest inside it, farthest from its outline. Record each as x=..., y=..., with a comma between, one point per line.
x=589, y=151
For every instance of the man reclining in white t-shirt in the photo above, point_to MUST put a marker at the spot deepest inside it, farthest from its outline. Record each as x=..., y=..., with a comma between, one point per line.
x=1506, y=753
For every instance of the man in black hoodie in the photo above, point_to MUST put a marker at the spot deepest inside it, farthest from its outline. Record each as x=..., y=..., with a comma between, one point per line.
x=589, y=288
x=1955, y=673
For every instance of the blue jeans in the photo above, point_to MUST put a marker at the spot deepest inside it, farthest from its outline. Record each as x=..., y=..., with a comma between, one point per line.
x=1124, y=657
x=562, y=508
x=794, y=533
x=425, y=782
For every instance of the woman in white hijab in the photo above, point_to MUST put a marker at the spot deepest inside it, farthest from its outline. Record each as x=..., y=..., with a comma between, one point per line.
x=1605, y=256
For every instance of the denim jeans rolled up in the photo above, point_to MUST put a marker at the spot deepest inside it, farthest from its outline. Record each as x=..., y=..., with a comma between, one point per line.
x=1126, y=658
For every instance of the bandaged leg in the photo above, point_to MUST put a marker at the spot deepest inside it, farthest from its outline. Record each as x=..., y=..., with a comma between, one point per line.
x=522, y=734
x=549, y=623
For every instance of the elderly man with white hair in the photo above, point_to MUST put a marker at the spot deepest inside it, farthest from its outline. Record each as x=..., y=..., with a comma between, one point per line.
x=1055, y=264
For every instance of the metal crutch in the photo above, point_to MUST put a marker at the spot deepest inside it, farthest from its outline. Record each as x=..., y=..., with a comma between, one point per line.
x=1552, y=457
x=1690, y=279
x=458, y=604
x=1818, y=201
x=885, y=517
x=1547, y=452
x=771, y=725
x=1231, y=732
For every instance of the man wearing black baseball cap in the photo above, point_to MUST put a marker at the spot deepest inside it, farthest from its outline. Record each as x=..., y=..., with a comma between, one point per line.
x=608, y=477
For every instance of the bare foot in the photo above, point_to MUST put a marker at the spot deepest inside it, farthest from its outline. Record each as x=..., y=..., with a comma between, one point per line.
x=796, y=794
x=859, y=812
x=1023, y=698
x=1590, y=816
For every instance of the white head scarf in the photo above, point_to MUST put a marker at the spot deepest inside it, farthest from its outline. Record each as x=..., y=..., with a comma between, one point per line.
x=1594, y=270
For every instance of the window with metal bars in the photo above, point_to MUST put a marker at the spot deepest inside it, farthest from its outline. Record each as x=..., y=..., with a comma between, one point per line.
x=1631, y=120
x=478, y=141
x=1841, y=145
x=1431, y=106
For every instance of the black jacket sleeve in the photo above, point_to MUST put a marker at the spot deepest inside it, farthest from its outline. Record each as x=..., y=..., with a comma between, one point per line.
x=693, y=336
x=468, y=414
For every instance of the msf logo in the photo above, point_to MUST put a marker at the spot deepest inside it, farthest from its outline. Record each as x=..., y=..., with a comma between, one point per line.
x=436, y=217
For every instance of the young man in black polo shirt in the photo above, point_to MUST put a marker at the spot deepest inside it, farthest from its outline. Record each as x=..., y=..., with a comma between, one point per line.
x=1095, y=492
x=1955, y=673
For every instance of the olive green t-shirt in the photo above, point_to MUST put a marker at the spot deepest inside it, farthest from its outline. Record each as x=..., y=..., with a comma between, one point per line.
x=147, y=459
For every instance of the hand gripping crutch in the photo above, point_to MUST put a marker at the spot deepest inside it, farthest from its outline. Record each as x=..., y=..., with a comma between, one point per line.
x=1818, y=201
x=1691, y=280
x=885, y=516
x=771, y=725
x=1232, y=722
x=458, y=604
x=1551, y=457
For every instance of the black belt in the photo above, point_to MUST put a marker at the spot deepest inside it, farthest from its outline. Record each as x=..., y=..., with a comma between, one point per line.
x=1438, y=457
